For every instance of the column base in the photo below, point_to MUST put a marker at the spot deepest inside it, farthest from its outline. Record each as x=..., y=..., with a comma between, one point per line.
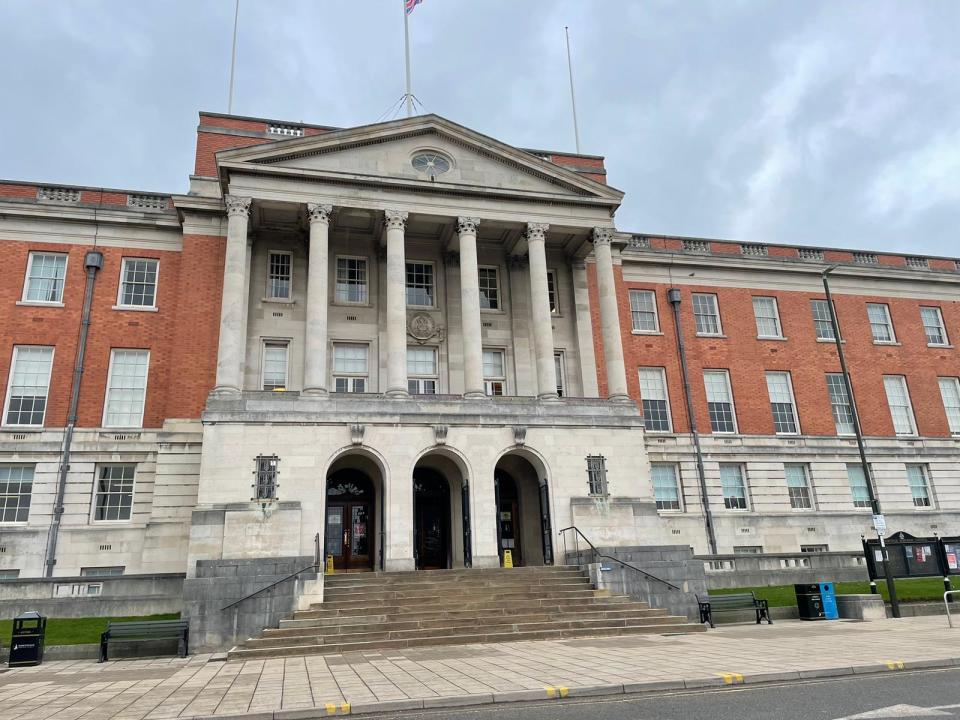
x=399, y=565
x=396, y=393
x=548, y=397
x=314, y=392
x=474, y=395
x=225, y=391
x=619, y=399
x=486, y=561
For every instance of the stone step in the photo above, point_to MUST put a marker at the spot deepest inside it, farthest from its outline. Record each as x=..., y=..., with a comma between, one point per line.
x=385, y=623
x=242, y=653
x=452, y=592
x=322, y=610
x=419, y=599
x=463, y=584
x=389, y=575
x=449, y=576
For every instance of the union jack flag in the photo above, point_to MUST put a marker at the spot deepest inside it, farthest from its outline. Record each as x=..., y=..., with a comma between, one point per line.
x=411, y=4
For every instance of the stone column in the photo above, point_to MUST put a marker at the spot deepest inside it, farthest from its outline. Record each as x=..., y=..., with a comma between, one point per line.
x=609, y=316
x=230, y=355
x=395, y=222
x=470, y=308
x=315, y=345
x=540, y=309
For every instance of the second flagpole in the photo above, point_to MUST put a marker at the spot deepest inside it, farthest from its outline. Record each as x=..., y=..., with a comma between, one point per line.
x=406, y=37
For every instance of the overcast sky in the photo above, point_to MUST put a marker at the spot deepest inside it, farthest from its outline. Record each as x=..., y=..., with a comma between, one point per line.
x=834, y=122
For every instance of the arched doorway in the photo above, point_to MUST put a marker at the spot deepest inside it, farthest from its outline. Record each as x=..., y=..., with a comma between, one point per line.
x=523, y=512
x=353, y=527
x=431, y=519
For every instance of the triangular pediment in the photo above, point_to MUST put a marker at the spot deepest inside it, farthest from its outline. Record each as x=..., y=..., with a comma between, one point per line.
x=387, y=150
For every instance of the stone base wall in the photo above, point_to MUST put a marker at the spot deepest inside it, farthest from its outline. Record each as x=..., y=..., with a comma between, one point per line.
x=737, y=571
x=70, y=597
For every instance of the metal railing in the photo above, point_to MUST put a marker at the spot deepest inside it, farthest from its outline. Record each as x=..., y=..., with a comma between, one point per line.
x=597, y=554
x=315, y=567
x=946, y=605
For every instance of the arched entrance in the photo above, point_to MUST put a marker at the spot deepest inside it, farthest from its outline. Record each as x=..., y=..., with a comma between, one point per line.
x=353, y=528
x=523, y=511
x=441, y=512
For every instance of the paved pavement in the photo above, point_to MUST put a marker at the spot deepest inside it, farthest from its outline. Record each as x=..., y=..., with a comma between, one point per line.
x=318, y=686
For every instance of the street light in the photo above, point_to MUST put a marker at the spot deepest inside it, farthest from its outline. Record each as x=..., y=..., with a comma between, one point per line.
x=874, y=502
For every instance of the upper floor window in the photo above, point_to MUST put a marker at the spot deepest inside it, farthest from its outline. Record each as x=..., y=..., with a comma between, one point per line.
x=597, y=475
x=782, y=405
x=494, y=372
x=351, y=286
x=859, y=491
x=126, y=388
x=279, y=275
x=552, y=292
x=113, y=498
x=46, y=273
x=275, y=364
x=798, y=486
x=560, y=369
x=898, y=398
x=706, y=314
x=821, y=320
x=723, y=418
x=656, y=403
x=422, y=370
x=138, y=284
x=840, y=404
x=767, y=317
x=420, y=289
x=16, y=487
x=28, y=385
x=666, y=489
x=266, y=470
x=919, y=485
x=880, y=324
x=933, y=326
x=350, y=367
x=734, y=486
x=643, y=311
x=950, y=393
x=489, y=281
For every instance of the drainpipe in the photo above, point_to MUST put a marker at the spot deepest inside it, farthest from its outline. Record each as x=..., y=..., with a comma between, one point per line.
x=673, y=295
x=92, y=263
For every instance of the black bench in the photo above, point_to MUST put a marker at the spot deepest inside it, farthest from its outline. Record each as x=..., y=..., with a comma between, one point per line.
x=146, y=630
x=735, y=601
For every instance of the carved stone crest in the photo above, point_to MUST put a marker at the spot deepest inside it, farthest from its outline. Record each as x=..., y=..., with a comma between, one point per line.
x=421, y=327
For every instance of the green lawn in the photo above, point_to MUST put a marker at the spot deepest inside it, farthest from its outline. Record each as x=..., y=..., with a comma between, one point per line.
x=907, y=590
x=75, y=631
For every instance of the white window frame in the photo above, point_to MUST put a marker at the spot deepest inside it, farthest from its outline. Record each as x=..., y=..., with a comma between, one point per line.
x=433, y=284
x=941, y=326
x=793, y=402
x=498, y=289
x=106, y=394
x=743, y=484
x=862, y=504
x=491, y=381
x=887, y=324
x=274, y=342
x=776, y=318
x=808, y=487
x=818, y=303
x=634, y=311
x=553, y=297
x=123, y=273
x=715, y=314
x=833, y=405
x=351, y=378
x=902, y=381
x=560, y=368
x=25, y=299
x=8, y=508
x=730, y=400
x=96, y=493
x=336, y=280
x=268, y=295
x=678, y=487
x=927, y=486
x=10, y=376
x=952, y=411
x=421, y=381
x=662, y=372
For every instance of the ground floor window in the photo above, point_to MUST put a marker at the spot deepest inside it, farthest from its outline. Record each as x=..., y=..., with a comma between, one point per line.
x=350, y=367
x=422, y=370
x=114, y=493
x=734, y=486
x=494, y=372
x=16, y=487
x=666, y=490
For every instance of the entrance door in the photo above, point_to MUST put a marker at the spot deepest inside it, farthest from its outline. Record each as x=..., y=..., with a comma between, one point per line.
x=349, y=528
x=431, y=520
x=508, y=517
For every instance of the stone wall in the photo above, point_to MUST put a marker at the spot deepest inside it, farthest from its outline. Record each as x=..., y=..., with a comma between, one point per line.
x=68, y=597
x=736, y=571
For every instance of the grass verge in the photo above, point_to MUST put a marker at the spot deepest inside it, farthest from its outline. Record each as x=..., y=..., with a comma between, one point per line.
x=914, y=590
x=76, y=631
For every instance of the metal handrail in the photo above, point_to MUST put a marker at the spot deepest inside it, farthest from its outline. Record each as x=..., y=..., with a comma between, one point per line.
x=946, y=605
x=315, y=567
x=598, y=554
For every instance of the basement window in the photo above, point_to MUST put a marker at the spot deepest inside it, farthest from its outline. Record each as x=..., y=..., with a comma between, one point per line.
x=597, y=475
x=265, y=473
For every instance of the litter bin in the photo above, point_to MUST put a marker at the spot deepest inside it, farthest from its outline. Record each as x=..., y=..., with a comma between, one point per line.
x=829, y=597
x=26, y=642
x=810, y=601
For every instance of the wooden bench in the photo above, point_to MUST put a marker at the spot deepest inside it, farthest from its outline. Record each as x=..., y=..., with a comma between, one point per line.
x=735, y=601
x=146, y=630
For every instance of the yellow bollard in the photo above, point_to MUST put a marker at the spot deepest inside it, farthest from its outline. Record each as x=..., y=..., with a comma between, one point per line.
x=508, y=558
x=329, y=570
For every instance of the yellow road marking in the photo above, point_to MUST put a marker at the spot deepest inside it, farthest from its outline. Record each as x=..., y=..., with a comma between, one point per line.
x=731, y=678
x=551, y=691
x=895, y=664
x=331, y=709
x=345, y=708
x=563, y=691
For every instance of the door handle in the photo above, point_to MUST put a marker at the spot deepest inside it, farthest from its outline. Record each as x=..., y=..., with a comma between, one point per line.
x=346, y=538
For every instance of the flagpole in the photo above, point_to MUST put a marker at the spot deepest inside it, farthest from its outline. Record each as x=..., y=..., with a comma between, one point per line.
x=233, y=57
x=573, y=100
x=406, y=38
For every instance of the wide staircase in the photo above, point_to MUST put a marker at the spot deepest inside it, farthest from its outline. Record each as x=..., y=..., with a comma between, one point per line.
x=391, y=610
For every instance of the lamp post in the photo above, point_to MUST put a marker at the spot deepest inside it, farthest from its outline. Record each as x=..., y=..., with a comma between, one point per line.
x=874, y=502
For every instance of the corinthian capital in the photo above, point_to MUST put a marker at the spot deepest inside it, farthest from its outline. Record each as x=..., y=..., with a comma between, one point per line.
x=537, y=231
x=602, y=235
x=237, y=206
x=394, y=219
x=319, y=213
x=467, y=225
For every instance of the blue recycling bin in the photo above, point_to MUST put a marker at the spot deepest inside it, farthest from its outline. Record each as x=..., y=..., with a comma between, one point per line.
x=829, y=597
